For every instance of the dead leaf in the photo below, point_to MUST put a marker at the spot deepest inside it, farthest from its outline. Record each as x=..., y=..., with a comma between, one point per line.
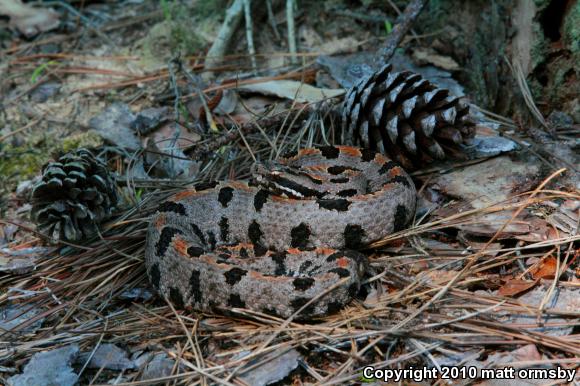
x=114, y=125
x=291, y=89
x=491, y=181
x=564, y=299
x=440, y=277
x=426, y=55
x=27, y=20
x=274, y=366
x=515, y=287
x=547, y=269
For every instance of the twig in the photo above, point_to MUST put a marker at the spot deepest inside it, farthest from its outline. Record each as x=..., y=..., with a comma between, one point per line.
x=413, y=10
x=250, y=33
x=28, y=125
x=229, y=26
x=272, y=20
x=291, y=28
x=195, y=81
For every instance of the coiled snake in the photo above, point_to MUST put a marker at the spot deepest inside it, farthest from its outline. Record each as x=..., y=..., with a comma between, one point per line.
x=287, y=236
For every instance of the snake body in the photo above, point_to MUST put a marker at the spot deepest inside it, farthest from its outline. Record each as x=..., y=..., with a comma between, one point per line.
x=285, y=241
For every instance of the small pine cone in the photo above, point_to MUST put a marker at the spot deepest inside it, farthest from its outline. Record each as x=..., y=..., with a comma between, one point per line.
x=405, y=116
x=75, y=195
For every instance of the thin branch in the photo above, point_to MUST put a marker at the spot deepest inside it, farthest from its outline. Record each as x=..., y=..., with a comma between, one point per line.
x=413, y=10
x=291, y=30
x=250, y=33
x=229, y=26
x=272, y=19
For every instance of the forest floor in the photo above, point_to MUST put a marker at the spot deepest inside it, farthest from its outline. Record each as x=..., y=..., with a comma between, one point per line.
x=486, y=277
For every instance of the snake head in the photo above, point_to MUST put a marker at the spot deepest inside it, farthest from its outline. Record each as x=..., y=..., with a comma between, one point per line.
x=286, y=182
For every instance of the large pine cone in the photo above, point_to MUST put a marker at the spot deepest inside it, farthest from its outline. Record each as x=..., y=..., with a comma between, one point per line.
x=405, y=116
x=75, y=195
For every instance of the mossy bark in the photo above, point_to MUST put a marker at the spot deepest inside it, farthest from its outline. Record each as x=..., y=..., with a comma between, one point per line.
x=483, y=36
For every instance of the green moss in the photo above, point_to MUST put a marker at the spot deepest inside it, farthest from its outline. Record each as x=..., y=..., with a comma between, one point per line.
x=572, y=30
x=540, y=45
x=87, y=139
x=20, y=163
x=184, y=32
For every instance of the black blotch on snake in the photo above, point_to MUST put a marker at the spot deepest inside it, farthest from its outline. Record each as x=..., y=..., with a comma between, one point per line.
x=195, y=286
x=339, y=204
x=401, y=180
x=155, y=275
x=255, y=233
x=337, y=169
x=342, y=272
x=234, y=275
x=198, y=233
x=270, y=311
x=303, y=283
x=298, y=303
x=368, y=155
x=347, y=193
x=300, y=236
x=165, y=237
x=387, y=166
x=225, y=195
x=353, y=290
x=211, y=239
x=342, y=180
x=259, y=250
x=279, y=258
x=243, y=253
x=260, y=199
x=353, y=235
x=400, y=218
x=194, y=251
x=174, y=207
x=333, y=307
x=224, y=228
x=329, y=152
x=334, y=256
x=176, y=297
x=236, y=301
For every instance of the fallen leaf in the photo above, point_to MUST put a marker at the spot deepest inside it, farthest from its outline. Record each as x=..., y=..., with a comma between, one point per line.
x=107, y=356
x=546, y=270
x=49, y=368
x=114, y=125
x=291, y=89
x=275, y=367
x=516, y=286
x=27, y=20
x=429, y=56
x=564, y=300
x=491, y=181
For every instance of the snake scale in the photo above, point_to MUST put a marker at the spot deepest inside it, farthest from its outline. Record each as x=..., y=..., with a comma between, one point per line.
x=284, y=241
